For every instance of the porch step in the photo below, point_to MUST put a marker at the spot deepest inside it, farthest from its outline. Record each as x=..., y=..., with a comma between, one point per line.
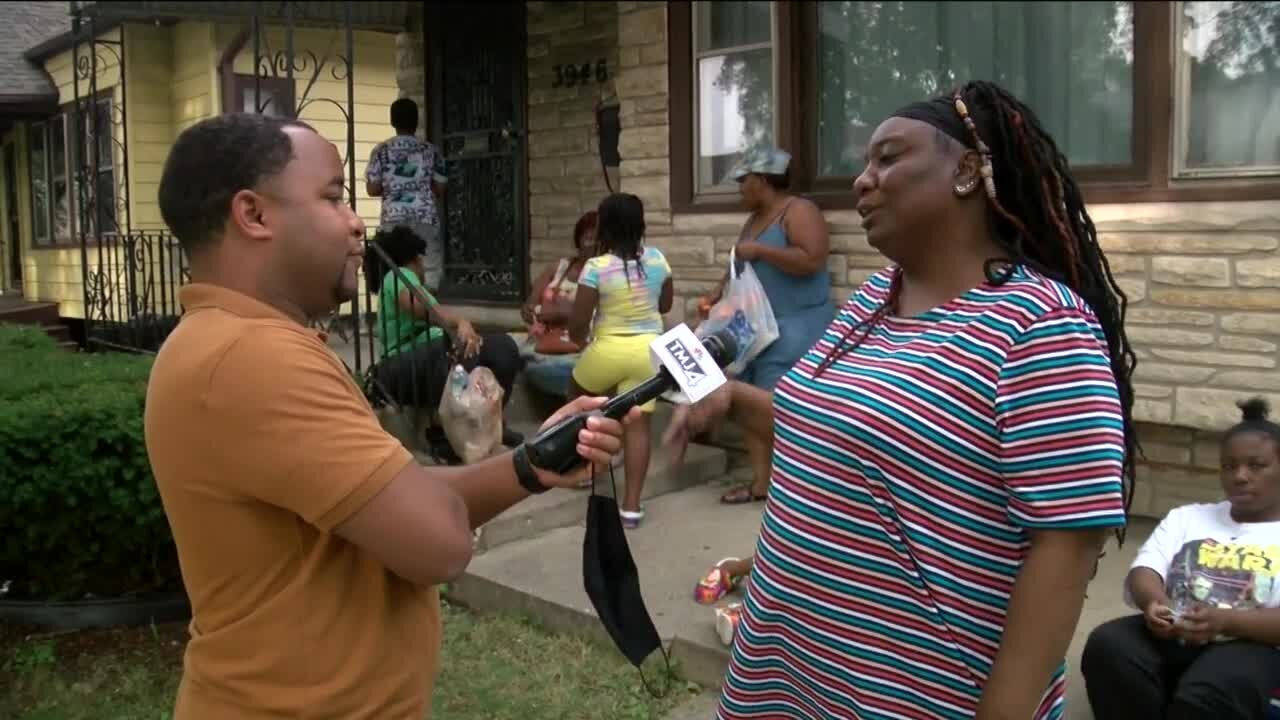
x=44, y=315
x=22, y=312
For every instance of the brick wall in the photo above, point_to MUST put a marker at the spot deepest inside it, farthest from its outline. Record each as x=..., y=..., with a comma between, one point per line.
x=565, y=176
x=645, y=144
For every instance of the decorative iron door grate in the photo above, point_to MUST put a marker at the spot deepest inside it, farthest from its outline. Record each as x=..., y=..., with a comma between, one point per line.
x=478, y=60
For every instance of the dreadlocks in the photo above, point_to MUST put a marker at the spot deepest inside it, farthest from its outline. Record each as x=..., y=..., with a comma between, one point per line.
x=1039, y=221
x=620, y=230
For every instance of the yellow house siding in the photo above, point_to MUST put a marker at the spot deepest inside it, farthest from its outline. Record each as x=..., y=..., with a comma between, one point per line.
x=149, y=103
x=172, y=82
x=375, y=89
x=194, y=59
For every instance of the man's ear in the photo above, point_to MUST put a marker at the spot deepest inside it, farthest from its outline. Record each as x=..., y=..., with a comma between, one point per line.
x=247, y=209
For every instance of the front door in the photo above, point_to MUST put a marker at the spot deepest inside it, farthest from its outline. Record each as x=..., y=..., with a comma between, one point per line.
x=475, y=86
x=12, y=237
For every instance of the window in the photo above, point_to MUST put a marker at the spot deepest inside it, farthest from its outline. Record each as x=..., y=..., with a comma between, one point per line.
x=734, y=66
x=40, y=192
x=1071, y=62
x=1228, y=57
x=275, y=96
x=53, y=172
x=1139, y=117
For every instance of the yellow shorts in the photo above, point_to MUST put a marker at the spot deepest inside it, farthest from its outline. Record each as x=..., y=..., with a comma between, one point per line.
x=615, y=363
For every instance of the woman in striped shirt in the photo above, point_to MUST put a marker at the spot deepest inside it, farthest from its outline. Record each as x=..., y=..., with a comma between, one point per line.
x=951, y=453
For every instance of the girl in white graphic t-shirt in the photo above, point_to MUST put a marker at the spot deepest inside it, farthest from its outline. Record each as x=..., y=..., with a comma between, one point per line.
x=1208, y=585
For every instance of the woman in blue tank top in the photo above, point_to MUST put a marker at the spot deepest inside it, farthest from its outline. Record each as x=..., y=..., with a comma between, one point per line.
x=785, y=240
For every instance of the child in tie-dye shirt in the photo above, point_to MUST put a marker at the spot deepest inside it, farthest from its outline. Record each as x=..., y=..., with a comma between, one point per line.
x=628, y=288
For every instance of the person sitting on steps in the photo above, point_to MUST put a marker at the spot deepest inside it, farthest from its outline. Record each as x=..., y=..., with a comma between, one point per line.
x=1207, y=584
x=420, y=342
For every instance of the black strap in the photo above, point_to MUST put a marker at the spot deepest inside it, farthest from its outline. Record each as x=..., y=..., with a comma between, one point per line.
x=666, y=657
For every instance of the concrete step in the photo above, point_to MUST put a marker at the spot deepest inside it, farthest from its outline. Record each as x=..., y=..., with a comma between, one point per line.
x=684, y=533
x=561, y=508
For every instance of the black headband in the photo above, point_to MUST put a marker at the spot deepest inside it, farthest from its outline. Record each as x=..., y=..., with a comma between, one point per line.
x=941, y=113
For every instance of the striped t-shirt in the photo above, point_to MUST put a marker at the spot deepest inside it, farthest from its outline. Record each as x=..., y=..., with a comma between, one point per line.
x=904, y=480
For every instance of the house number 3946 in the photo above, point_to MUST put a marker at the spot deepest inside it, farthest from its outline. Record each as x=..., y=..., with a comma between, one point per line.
x=570, y=75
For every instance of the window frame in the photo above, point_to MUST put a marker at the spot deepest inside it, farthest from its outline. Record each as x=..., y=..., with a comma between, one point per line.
x=721, y=191
x=1180, y=123
x=40, y=129
x=1150, y=177
x=75, y=141
x=284, y=88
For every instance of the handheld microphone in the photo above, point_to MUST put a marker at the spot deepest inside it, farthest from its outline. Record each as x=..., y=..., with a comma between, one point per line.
x=556, y=448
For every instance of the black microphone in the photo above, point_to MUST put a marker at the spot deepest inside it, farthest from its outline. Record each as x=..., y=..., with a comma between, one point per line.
x=556, y=448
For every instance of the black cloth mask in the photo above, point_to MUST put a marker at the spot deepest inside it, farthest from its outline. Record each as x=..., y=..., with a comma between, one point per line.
x=612, y=583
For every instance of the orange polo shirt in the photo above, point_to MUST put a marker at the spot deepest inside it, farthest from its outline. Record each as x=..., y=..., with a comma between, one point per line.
x=261, y=444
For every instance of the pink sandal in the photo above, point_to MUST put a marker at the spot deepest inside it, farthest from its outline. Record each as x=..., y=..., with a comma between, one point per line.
x=715, y=584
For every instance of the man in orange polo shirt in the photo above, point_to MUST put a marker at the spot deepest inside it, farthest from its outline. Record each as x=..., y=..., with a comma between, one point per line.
x=310, y=541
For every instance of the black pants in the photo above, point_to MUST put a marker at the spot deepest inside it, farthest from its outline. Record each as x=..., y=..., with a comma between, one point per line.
x=1131, y=674
x=416, y=377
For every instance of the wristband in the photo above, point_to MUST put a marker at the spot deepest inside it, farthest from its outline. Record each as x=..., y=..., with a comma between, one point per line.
x=524, y=471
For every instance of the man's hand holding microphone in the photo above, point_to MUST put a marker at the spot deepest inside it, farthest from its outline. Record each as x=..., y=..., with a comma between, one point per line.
x=684, y=362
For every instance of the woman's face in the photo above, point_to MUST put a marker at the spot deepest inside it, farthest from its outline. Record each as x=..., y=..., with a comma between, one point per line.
x=1251, y=475
x=418, y=265
x=749, y=188
x=907, y=188
x=587, y=244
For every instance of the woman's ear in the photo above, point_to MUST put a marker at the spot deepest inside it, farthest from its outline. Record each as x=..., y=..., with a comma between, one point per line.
x=968, y=175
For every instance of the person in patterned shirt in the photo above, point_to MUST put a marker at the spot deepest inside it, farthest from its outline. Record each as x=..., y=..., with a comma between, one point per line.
x=409, y=175
x=951, y=454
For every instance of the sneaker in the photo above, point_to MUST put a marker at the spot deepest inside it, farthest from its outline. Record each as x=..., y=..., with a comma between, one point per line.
x=714, y=585
x=727, y=620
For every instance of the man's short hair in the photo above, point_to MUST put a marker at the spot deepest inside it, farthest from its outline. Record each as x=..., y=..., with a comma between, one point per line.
x=404, y=115
x=213, y=160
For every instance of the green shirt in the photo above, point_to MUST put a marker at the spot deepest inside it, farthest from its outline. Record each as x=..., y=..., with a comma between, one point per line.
x=397, y=329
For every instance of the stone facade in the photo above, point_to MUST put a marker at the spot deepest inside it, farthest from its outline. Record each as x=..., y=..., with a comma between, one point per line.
x=1202, y=279
x=566, y=178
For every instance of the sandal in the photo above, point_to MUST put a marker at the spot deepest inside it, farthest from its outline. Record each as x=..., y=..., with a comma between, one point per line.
x=727, y=621
x=715, y=584
x=742, y=495
x=631, y=520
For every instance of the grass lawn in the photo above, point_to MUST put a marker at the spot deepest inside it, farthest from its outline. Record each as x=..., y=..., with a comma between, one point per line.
x=493, y=667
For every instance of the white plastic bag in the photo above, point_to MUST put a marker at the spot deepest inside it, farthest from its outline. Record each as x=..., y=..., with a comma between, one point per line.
x=471, y=413
x=745, y=311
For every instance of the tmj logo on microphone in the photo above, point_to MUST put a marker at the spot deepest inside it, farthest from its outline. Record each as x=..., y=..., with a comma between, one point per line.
x=688, y=360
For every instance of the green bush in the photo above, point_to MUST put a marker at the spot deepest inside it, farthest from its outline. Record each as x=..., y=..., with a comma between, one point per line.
x=79, y=512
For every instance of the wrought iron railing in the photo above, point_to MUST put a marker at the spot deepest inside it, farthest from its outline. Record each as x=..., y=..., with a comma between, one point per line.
x=131, y=289
x=410, y=378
